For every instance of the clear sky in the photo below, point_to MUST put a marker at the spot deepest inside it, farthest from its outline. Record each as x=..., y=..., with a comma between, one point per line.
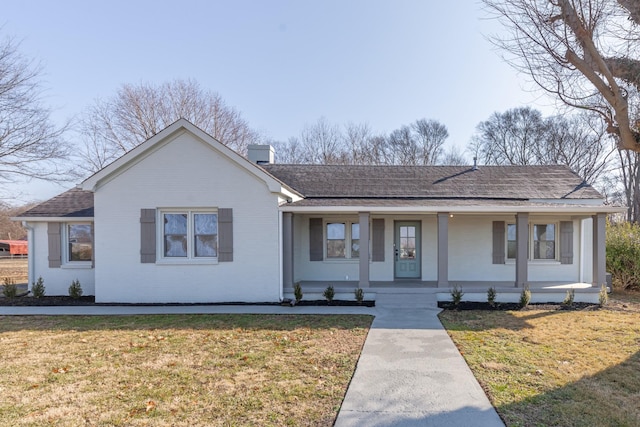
x=283, y=64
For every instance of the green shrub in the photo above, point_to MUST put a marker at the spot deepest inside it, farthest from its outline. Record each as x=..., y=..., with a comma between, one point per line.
x=359, y=293
x=37, y=288
x=525, y=296
x=329, y=293
x=75, y=290
x=297, y=292
x=456, y=295
x=491, y=296
x=568, y=299
x=9, y=290
x=623, y=255
x=603, y=296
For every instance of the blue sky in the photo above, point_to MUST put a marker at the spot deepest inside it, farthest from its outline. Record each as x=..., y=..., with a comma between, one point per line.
x=283, y=64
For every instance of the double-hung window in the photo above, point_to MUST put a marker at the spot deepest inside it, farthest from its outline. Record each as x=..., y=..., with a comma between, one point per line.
x=542, y=241
x=189, y=234
x=77, y=243
x=343, y=240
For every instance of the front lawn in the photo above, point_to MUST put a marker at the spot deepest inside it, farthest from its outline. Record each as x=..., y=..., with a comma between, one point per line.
x=556, y=367
x=177, y=370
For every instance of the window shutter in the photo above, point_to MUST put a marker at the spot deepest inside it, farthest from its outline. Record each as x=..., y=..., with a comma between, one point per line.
x=225, y=235
x=377, y=239
x=315, y=239
x=55, y=245
x=498, y=242
x=566, y=242
x=147, y=236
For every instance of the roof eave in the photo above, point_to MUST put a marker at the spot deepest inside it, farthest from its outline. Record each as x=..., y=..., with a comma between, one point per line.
x=457, y=209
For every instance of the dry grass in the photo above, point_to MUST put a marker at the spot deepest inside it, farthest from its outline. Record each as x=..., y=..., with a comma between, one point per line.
x=15, y=268
x=560, y=368
x=191, y=370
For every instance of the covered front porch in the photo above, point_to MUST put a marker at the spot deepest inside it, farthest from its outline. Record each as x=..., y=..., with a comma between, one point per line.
x=474, y=247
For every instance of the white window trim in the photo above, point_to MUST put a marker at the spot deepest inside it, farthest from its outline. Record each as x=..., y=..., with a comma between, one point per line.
x=64, y=239
x=530, y=258
x=348, y=242
x=190, y=258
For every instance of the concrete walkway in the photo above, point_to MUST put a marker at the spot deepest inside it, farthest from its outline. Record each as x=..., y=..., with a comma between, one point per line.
x=409, y=373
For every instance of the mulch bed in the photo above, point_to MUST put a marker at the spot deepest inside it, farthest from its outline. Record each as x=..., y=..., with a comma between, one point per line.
x=46, y=301
x=469, y=305
x=26, y=301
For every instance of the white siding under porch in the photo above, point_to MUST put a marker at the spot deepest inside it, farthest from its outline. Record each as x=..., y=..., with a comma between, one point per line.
x=185, y=174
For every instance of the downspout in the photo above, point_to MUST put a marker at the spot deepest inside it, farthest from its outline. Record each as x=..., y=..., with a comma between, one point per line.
x=280, y=255
x=30, y=254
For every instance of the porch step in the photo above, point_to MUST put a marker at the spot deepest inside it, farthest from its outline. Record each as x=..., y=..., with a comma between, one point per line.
x=406, y=300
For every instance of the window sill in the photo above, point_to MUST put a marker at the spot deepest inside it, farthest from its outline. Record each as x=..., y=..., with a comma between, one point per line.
x=342, y=260
x=536, y=262
x=166, y=261
x=77, y=265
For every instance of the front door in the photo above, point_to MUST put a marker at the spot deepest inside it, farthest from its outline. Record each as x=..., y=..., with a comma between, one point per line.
x=407, y=249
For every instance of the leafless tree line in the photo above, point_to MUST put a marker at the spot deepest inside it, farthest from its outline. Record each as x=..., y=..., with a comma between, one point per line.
x=420, y=143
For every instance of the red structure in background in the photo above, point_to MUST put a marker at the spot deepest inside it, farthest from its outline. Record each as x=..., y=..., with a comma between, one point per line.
x=13, y=248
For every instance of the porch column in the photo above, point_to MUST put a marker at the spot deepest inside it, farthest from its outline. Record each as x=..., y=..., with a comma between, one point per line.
x=599, y=250
x=364, y=250
x=443, y=249
x=522, y=246
x=287, y=250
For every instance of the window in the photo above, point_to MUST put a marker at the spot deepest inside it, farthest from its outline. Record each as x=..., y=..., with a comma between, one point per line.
x=511, y=241
x=78, y=243
x=544, y=241
x=542, y=238
x=189, y=234
x=343, y=240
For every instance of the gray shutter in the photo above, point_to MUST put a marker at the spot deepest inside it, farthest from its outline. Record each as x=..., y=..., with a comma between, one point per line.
x=225, y=235
x=315, y=239
x=377, y=239
x=498, y=242
x=566, y=242
x=147, y=236
x=55, y=245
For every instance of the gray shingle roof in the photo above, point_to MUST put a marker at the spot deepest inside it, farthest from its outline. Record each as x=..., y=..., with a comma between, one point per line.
x=74, y=203
x=332, y=185
x=490, y=182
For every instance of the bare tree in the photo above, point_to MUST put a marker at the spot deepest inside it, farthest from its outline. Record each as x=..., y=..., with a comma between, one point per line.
x=579, y=141
x=322, y=143
x=114, y=126
x=31, y=146
x=12, y=230
x=521, y=136
x=510, y=138
x=584, y=52
x=431, y=136
x=453, y=157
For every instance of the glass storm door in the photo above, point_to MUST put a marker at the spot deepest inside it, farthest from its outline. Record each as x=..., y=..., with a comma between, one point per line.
x=407, y=250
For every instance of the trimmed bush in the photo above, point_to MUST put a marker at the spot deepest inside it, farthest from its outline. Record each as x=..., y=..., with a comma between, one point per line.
x=456, y=295
x=329, y=293
x=491, y=296
x=75, y=290
x=623, y=255
x=359, y=294
x=297, y=292
x=37, y=288
x=603, y=296
x=9, y=290
x=525, y=296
